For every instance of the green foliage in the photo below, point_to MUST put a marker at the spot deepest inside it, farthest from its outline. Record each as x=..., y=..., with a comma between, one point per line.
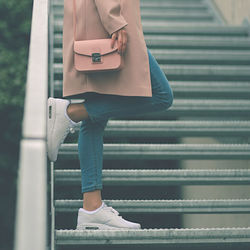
x=15, y=21
x=13, y=76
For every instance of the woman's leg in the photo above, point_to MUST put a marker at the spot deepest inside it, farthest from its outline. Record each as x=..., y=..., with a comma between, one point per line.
x=101, y=107
x=90, y=147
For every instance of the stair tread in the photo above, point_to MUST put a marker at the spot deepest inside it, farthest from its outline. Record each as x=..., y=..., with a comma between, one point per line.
x=225, y=86
x=166, y=206
x=227, y=70
x=172, y=28
x=163, y=147
x=159, y=13
x=216, y=85
x=175, y=5
x=188, y=38
x=209, y=103
x=172, y=236
x=180, y=56
x=173, y=128
x=161, y=4
x=193, y=43
x=193, y=38
x=234, y=89
x=198, y=108
x=160, y=177
x=151, y=151
x=158, y=53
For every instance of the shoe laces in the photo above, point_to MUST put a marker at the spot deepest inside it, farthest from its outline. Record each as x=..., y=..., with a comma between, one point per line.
x=111, y=210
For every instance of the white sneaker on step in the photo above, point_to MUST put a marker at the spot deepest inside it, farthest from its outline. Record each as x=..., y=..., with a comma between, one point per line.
x=104, y=218
x=58, y=125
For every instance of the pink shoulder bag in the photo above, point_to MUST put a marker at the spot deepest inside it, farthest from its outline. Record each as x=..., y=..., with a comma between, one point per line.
x=95, y=55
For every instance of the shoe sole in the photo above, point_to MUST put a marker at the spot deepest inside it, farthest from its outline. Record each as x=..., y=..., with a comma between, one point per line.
x=51, y=124
x=96, y=226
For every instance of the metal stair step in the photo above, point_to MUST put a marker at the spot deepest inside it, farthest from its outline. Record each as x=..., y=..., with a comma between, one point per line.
x=186, y=29
x=203, y=107
x=197, y=107
x=168, y=7
x=165, y=206
x=156, y=2
x=168, y=16
x=168, y=237
x=206, y=72
x=191, y=72
x=159, y=12
x=196, y=29
x=174, y=1
x=165, y=151
x=178, y=22
x=165, y=42
x=159, y=177
x=221, y=89
x=121, y=128
x=201, y=56
x=165, y=56
x=190, y=89
x=173, y=5
x=206, y=42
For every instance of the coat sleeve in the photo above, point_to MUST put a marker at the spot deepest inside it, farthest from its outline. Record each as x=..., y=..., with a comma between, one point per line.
x=110, y=15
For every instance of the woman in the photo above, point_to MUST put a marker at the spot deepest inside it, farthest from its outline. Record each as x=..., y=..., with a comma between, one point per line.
x=140, y=87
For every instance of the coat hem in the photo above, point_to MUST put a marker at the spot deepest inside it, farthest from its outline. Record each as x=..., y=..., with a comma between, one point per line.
x=77, y=96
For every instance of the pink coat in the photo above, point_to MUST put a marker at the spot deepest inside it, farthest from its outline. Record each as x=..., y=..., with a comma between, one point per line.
x=98, y=19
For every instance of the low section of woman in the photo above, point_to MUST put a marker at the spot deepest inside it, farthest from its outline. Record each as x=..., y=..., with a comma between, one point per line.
x=93, y=115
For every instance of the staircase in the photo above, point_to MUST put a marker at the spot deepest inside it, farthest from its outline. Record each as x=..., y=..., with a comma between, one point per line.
x=207, y=64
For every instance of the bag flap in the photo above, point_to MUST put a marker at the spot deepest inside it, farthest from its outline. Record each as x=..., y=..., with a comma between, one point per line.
x=87, y=47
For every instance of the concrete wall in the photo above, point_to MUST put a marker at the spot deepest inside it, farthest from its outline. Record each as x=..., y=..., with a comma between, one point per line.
x=234, y=11
x=214, y=191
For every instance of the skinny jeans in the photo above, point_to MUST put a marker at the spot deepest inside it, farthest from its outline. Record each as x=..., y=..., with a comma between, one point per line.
x=101, y=107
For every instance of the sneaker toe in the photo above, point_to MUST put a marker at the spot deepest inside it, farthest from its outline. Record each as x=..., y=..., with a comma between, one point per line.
x=129, y=224
x=134, y=225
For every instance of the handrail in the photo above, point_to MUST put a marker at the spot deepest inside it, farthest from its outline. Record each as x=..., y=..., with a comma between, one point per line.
x=31, y=210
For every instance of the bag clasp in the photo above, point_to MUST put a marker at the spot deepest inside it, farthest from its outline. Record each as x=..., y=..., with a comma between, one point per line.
x=96, y=57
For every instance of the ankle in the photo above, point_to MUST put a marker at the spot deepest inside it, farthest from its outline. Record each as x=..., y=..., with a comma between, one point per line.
x=92, y=206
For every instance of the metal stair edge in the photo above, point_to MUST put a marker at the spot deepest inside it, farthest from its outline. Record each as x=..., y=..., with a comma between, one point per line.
x=166, y=206
x=160, y=177
x=165, y=151
x=150, y=236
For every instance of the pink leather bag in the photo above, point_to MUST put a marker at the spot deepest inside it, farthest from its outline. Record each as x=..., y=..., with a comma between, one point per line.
x=92, y=56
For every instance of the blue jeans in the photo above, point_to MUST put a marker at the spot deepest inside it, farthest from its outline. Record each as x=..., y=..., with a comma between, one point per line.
x=101, y=107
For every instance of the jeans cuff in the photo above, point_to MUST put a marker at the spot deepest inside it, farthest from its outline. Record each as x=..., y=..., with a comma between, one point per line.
x=88, y=189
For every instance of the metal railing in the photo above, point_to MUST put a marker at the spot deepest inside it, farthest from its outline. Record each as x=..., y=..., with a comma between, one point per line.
x=31, y=211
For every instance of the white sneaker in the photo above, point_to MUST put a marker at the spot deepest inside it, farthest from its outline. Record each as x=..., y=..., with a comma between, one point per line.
x=58, y=125
x=104, y=218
